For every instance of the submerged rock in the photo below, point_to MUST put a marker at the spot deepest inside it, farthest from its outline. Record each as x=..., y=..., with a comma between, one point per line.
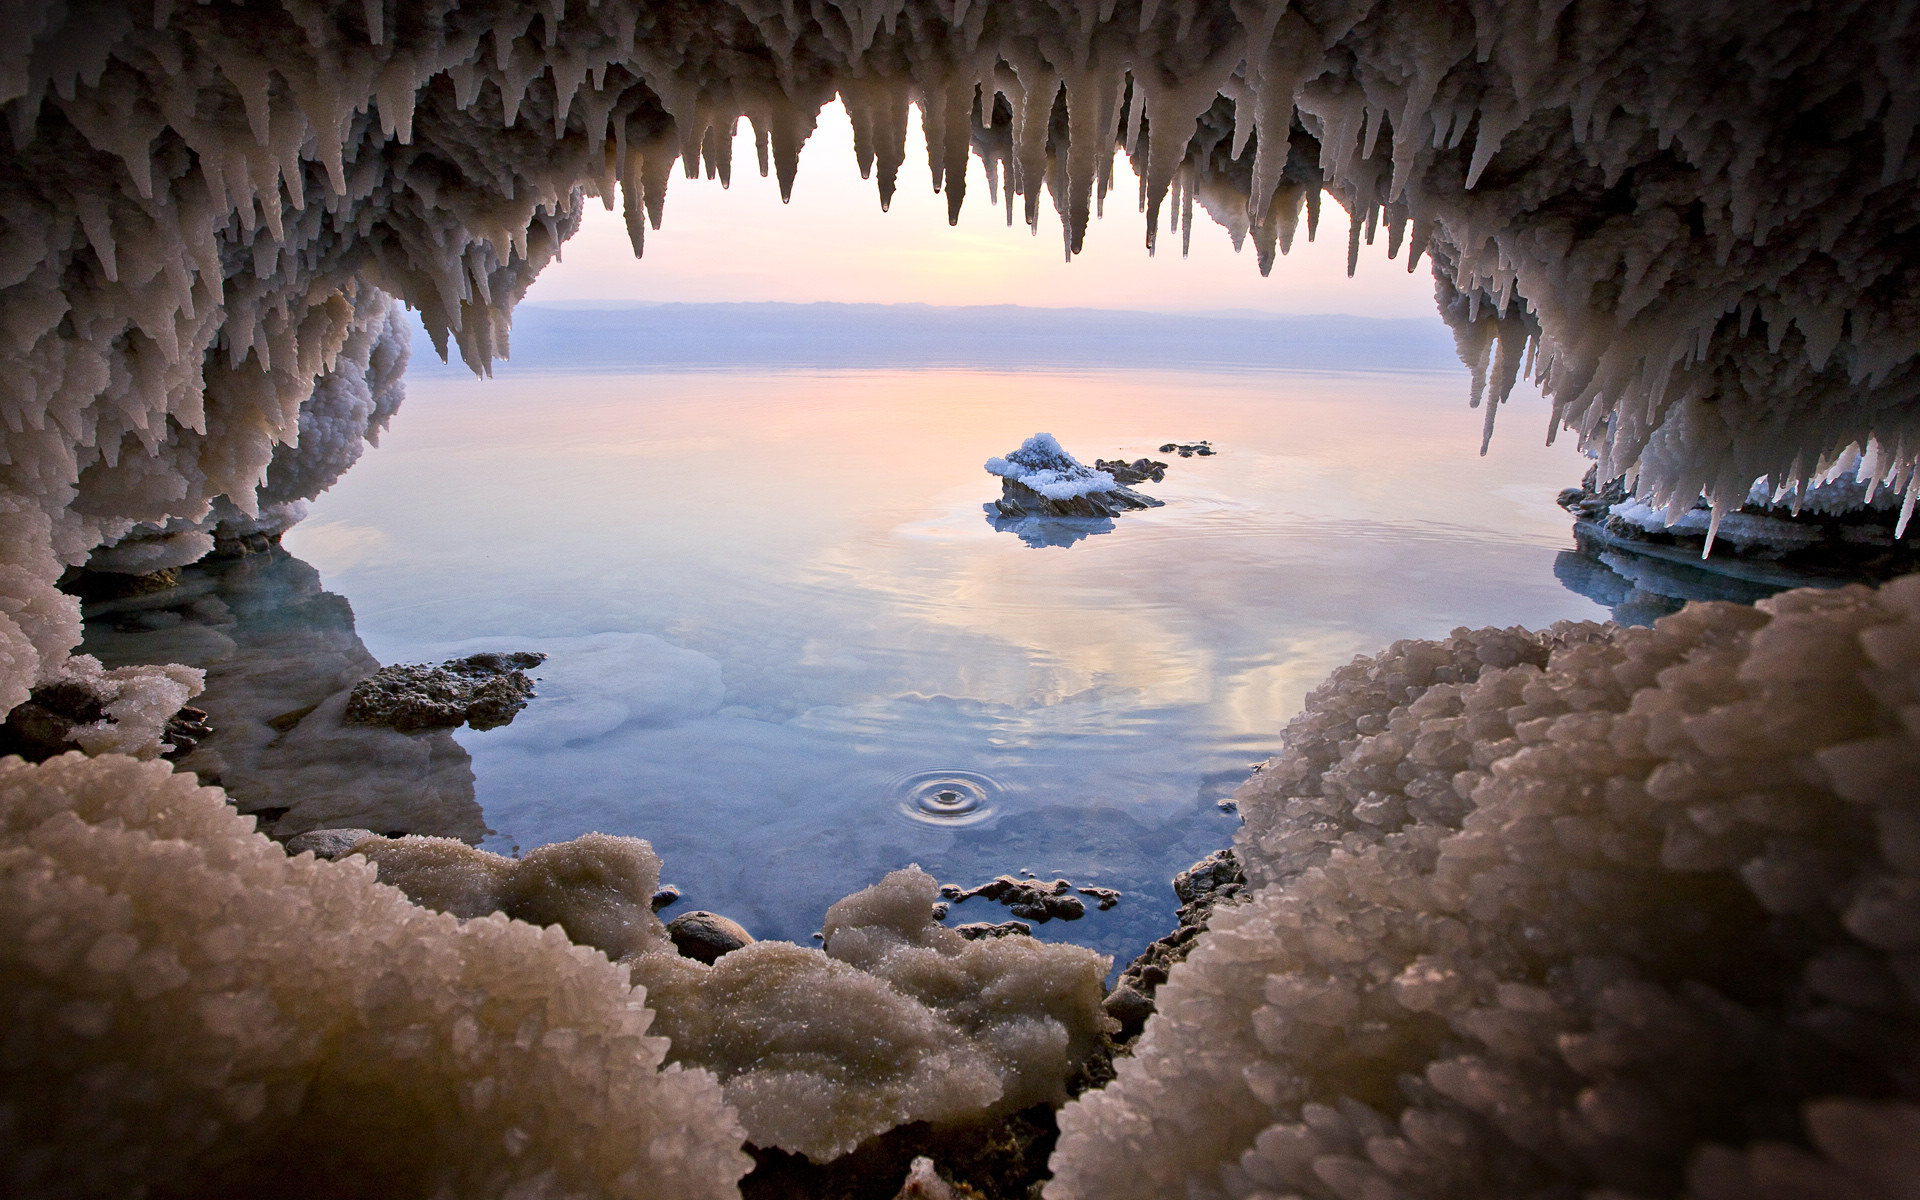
x=705, y=936
x=1041, y=479
x=485, y=691
x=1188, y=449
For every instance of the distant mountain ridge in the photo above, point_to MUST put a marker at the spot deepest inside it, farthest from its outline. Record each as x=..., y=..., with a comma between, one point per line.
x=625, y=336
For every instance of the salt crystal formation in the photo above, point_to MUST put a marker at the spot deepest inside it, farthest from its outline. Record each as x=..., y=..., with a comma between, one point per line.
x=188, y=1011
x=897, y=1019
x=1555, y=913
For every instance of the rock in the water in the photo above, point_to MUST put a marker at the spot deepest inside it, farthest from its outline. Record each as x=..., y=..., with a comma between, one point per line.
x=330, y=844
x=1839, y=530
x=705, y=936
x=1140, y=470
x=1106, y=898
x=1213, y=881
x=1036, y=900
x=1041, y=479
x=976, y=930
x=1188, y=449
x=481, y=690
x=668, y=894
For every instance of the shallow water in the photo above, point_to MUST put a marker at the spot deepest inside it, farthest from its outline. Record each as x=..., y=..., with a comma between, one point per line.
x=788, y=646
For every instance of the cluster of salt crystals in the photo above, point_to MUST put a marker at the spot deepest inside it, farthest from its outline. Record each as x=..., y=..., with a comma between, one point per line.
x=348, y=407
x=1598, y=909
x=1703, y=213
x=189, y=1010
x=1042, y=465
x=897, y=1019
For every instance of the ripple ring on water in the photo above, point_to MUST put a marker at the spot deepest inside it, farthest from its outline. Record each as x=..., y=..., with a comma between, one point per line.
x=948, y=798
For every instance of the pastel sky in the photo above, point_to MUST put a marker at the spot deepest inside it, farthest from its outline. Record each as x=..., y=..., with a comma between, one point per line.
x=832, y=242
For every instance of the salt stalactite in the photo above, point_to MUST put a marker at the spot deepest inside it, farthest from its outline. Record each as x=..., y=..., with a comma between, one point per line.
x=1574, y=911
x=1694, y=226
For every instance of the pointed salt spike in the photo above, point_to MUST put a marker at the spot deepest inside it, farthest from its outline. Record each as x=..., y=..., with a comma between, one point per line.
x=1486, y=428
x=96, y=223
x=1353, y=244
x=1906, y=506
x=1713, y=528
x=376, y=21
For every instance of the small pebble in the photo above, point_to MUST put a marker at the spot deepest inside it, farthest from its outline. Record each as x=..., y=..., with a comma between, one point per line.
x=705, y=936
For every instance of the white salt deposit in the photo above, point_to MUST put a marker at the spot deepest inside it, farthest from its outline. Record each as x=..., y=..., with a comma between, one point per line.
x=190, y=1011
x=899, y=1019
x=1042, y=465
x=1574, y=909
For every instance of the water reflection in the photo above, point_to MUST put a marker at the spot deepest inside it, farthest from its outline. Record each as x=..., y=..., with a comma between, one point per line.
x=772, y=609
x=281, y=655
x=1042, y=532
x=1639, y=589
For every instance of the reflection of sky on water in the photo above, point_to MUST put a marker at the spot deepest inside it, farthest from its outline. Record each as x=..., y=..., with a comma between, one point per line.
x=770, y=598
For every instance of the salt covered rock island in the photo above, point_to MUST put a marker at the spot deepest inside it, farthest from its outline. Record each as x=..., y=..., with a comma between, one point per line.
x=1584, y=911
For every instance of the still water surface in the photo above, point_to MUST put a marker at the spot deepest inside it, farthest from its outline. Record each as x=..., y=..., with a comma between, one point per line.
x=788, y=647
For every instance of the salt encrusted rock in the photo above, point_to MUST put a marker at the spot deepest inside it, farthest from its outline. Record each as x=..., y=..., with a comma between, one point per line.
x=190, y=1011
x=1032, y=899
x=896, y=1020
x=1042, y=480
x=596, y=887
x=330, y=844
x=127, y=709
x=1558, y=912
x=705, y=936
x=481, y=690
x=1838, y=530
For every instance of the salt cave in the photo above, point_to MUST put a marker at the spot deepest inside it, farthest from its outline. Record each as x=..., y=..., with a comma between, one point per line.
x=1594, y=911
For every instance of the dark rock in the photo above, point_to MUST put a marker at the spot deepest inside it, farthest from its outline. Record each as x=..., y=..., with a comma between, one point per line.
x=485, y=691
x=1140, y=470
x=1106, y=898
x=183, y=732
x=983, y=929
x=95, y=587
x=668, y=894
x=705, y=936
x=940, y=911
x=330, y=844
x=1036, y=900
x=1213, y=881
x=1127, y=1006
x=1188, y=449
x=40, y=728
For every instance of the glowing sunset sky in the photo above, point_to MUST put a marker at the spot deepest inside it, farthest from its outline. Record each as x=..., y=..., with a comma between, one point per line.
x=832, y=242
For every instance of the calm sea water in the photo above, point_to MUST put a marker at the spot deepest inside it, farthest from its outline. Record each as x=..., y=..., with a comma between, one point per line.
x=788, y=647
